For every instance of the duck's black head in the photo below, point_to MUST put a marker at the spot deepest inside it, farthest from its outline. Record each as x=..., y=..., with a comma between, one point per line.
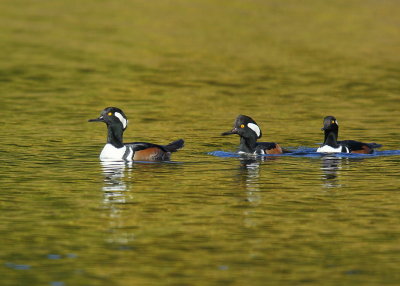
x=331, y=131
x=330, y=124
x=116, y=124
x=112, y=116
x=245, y=127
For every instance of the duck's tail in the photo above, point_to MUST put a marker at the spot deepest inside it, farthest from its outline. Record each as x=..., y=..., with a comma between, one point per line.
x=175, y=145
x=374, y=145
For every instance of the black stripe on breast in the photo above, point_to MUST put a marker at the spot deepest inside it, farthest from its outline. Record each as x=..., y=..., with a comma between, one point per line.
x=127, y=151
x=344, y=149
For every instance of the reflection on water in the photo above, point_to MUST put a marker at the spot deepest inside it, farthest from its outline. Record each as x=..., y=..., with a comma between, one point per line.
x=330, y=166
x=114, y=187
x=333, y=164
x=115, y=196
x=227, y=220
x=249, y=174
x=249, y=180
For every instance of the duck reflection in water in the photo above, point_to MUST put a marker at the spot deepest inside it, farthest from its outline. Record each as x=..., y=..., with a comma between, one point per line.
x=114, y=187
x=249, y=175
x=330, y=165
x=116, y=191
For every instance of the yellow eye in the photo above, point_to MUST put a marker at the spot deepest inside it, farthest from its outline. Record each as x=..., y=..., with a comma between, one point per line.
x=242, y=126
x=109, y=114
x=333, y=122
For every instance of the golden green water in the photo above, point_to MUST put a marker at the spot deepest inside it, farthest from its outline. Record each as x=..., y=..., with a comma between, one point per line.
x=186, y=69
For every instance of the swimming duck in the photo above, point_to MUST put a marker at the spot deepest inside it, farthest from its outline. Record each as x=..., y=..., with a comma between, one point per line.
x=249, y=133
x=331, y=145
x=116, y=150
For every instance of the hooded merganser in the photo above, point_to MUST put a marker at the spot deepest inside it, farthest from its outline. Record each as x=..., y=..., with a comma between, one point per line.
x=331, y=145
x=249, y=132
x=115, y=150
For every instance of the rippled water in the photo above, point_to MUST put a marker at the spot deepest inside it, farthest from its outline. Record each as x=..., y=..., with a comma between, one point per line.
x=183, y=69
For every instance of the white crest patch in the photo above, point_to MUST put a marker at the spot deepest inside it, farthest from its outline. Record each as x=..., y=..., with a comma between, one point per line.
x=255, y=128
x=122, y=119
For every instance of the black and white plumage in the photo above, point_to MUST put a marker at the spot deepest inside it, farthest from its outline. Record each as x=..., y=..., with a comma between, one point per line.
x=249, y=133
x=116, y=150
x=332, y=145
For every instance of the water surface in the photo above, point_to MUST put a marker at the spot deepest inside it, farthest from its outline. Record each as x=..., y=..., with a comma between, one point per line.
x=183, y=69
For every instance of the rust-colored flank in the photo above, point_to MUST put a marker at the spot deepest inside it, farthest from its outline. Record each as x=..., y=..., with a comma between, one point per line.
x=151, y=154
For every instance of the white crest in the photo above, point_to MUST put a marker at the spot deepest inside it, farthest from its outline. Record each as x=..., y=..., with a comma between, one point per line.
x=122, y=119
x=255, y=128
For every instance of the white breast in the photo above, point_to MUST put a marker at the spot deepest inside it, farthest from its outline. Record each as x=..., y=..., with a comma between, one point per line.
x=249, y=154
x=329, y=149
x=111, y=153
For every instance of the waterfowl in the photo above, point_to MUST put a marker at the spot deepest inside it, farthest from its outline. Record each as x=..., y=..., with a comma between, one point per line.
x=249, y=133
x=116, y=150
x=331, y=145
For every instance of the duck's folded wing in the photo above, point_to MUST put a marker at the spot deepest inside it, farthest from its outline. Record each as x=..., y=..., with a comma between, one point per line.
x=269, y=147
x=359, y=147
x=138, y=146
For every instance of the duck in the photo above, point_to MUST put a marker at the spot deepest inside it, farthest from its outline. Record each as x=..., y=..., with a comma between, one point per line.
x=331, y=145
x=116, y=150
x=249, y=132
